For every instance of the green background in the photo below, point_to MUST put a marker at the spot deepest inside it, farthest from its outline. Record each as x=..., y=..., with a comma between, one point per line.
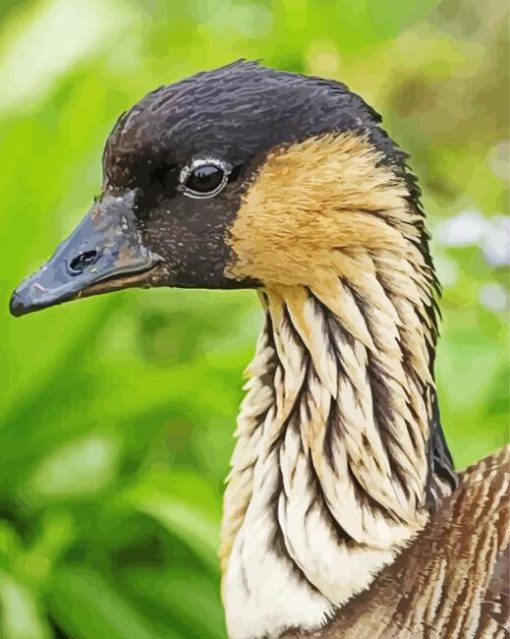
x=117, y=413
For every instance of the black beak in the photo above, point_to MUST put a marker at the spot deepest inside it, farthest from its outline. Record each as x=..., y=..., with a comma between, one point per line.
x=104, y=253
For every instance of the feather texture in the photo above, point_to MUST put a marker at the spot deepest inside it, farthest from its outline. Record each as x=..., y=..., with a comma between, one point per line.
x=340, y=458
x=452, y=582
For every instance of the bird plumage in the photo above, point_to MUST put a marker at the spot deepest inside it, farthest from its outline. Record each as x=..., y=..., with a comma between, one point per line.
x=342, y=513
x=453, y=581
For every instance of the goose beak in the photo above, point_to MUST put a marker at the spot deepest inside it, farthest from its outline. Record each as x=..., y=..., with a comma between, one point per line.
x=104, y=253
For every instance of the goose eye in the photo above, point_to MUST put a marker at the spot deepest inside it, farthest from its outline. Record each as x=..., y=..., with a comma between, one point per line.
x=204, y=180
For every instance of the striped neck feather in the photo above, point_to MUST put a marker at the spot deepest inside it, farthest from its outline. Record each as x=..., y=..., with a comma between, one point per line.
x=340, y=454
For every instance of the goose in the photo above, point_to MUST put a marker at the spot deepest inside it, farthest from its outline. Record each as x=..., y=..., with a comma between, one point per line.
x=343, y=514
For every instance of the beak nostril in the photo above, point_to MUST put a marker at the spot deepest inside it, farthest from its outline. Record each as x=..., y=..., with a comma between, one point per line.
x=82, y=262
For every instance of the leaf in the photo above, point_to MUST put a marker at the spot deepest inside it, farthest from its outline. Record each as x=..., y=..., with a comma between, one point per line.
x=192, y=598
x=11, y=545
x=79, y=469
x=85, y=606
x=21, y=615
x=27, y=51
x=54, y=536
x=185, y=505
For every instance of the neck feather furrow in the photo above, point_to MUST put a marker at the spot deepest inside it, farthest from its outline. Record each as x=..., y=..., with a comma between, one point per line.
x=332, y=471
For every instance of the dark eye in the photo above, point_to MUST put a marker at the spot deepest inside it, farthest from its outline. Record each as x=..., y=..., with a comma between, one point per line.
x=204, y=178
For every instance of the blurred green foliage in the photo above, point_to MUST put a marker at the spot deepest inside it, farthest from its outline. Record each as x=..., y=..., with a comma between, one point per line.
x=117, y=414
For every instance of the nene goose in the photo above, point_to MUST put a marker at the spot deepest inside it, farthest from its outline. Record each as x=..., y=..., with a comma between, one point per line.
x=343, y=514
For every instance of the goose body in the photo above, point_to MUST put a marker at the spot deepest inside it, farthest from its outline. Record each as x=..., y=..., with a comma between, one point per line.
x=344, y=516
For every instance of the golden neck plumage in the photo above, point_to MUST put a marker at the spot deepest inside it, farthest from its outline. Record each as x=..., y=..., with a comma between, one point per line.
x=332, y=471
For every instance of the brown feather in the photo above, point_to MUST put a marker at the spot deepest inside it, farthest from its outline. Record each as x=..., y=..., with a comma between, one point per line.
x=452, y=582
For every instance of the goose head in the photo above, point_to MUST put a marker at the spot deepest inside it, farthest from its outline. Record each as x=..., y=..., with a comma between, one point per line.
x=239, y=177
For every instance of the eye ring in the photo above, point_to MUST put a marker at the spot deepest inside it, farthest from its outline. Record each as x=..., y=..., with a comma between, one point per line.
x=202, y=163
